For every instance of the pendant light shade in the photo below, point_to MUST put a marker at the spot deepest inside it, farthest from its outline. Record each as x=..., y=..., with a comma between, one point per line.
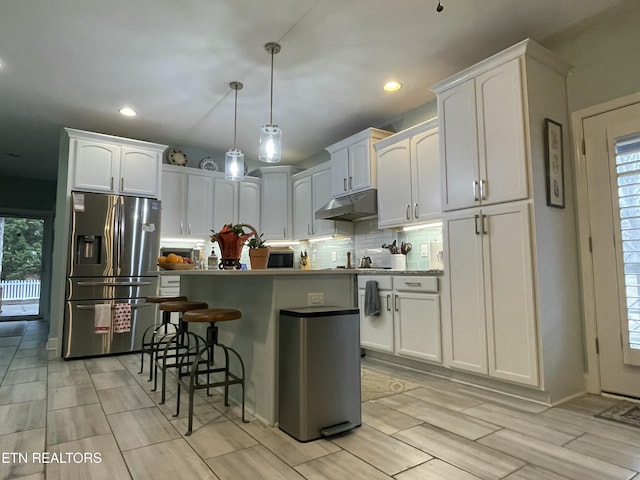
x=234, y=158
x=270, y=150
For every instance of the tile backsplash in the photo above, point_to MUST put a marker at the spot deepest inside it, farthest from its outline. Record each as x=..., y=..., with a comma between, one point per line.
x=368, y=241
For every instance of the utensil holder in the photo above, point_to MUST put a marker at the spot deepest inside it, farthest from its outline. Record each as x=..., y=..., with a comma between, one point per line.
x=398, y=261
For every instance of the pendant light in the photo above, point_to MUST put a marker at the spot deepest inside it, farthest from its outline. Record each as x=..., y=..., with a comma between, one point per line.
x=270, y=150
x=234, y=158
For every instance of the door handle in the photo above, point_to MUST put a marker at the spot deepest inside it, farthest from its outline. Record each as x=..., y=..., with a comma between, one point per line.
x=408, y=212
x=415, y=211
x=482, y=193
x=413, y=284
x=112, y=284
x=188, y=229
x=121, y=184
x=133, y=305
x=350, y=183
x=396, y=303
x=344, y=182
x=484, y=229
x=388, y=303
x=475, y=221
x=181, y=232
x=475, y=190
x=111, y=185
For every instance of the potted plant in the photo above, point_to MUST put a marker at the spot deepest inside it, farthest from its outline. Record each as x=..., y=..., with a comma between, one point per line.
x=231, y=239
x=258, y=252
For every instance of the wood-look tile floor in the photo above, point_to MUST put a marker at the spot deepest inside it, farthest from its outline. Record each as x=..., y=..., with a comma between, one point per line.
x=439, y=431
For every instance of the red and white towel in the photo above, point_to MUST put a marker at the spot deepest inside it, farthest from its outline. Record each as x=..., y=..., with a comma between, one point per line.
x=122, y=318
x=102, y=318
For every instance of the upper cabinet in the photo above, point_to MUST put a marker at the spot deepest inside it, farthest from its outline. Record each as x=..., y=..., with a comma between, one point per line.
x=484, y=132
x=102, y=163
x=187, y=202
x=353, y=166
x=236, y=202
x=409, y=176
x=276, y=212
x=312, y=190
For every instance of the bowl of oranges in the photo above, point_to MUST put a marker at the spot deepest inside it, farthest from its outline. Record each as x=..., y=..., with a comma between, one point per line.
x=175, y=262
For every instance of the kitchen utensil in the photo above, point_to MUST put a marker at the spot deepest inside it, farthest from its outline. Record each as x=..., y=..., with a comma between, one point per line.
x=348, y=259
x=405, y=247
x=365, y=262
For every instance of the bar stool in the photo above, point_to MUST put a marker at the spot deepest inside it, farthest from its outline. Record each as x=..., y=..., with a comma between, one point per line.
x=203, y=363
x=174, y=346
x=149, y=346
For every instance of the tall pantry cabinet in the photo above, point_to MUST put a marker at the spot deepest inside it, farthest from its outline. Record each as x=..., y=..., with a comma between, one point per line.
x=510, y=302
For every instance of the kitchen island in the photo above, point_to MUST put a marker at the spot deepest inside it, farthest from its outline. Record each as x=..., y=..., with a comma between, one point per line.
x=260, y=295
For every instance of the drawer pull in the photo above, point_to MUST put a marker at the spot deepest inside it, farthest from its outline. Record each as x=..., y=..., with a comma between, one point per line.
x=413, y=284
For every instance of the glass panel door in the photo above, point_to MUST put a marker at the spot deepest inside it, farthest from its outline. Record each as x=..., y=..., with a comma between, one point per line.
x=20, y=266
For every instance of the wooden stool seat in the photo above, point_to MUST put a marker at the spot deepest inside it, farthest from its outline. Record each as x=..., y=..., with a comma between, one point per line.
x=160, y=299
x=182, y=306
x=212, y=315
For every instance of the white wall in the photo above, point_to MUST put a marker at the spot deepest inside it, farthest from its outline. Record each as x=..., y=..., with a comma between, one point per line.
x=603, y=55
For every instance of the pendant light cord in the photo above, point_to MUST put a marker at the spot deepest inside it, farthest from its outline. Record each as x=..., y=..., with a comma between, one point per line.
x=271, y=104
x=235, y=119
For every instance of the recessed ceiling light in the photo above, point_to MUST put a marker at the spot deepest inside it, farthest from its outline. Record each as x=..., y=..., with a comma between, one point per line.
x=392, y=86
x=128, y=112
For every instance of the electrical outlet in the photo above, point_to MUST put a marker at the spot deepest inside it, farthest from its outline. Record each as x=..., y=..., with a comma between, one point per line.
x=334, y=256
x=315, y=299
x=424, y=249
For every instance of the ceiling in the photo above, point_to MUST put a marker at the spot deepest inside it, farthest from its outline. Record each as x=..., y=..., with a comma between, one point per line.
x=75, y=63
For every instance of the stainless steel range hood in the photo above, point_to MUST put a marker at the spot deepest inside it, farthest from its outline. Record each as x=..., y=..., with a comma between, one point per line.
x=350, y=207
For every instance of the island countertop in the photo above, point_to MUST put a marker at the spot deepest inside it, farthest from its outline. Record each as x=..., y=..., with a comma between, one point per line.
x=296, y=271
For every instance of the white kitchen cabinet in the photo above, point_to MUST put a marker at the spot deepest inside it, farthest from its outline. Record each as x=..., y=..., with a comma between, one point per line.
x=276, y=207
x=106, y=164
x=377, y=332
x=409, y=322
x=491, y=296
x=353, y=166
x=311, y=191
x=236, y=202
x=408, y=166
x=416, y=306
x=483, y=137
x=187, y=205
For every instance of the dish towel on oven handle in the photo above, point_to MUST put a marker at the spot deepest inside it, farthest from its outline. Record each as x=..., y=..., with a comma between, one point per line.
x=122, y=318
x=102, y=318
x=371, y=299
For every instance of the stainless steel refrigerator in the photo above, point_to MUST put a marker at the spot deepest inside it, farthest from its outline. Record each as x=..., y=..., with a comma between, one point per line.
x=114, y=243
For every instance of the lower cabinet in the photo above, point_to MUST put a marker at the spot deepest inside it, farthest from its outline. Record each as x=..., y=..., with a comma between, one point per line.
x=169, y=286
x=491, y=317
x=409, y=321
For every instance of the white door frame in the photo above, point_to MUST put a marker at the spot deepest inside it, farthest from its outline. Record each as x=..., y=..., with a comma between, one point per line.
x=592, y=375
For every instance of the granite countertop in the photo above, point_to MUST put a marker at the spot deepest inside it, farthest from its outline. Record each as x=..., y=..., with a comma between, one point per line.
x=295, y=271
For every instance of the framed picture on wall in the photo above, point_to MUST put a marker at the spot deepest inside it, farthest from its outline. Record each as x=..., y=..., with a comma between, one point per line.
x=554, y=163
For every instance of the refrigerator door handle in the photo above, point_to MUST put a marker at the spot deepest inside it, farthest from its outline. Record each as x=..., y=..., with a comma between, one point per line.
x=112, y=284
x=133, y=305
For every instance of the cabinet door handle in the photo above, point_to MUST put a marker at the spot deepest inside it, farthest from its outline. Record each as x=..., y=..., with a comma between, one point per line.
x=415, y=211
x=350, y=183
x=121, y=183
x=388, y=303
x=475, y=221
x=408, y=213
x=395, y=302
x=188, y=229
x=308, y=229
x=413, y=284
x=181, y=232
x=482, y=193
x=475, y=191
x=111, y=186
x=344, y=182
x=484, y=224
x=284, y=232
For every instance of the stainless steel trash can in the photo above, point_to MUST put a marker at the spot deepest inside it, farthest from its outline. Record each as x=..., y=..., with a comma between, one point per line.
x=319, y=371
